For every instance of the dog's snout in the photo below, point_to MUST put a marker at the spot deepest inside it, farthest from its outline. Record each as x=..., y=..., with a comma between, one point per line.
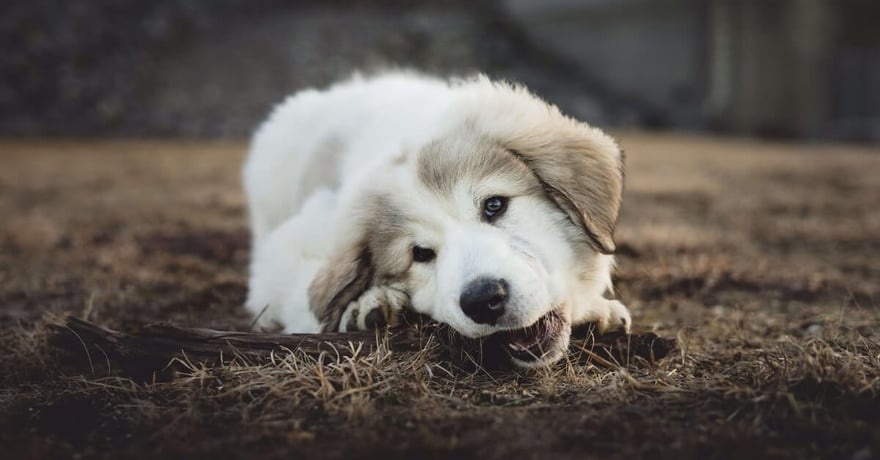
x=483, y=300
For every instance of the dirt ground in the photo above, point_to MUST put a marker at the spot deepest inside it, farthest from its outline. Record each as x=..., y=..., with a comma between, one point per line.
x=761, y=258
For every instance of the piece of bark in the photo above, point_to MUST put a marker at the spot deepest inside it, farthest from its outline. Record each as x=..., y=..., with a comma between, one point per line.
x=152, y=350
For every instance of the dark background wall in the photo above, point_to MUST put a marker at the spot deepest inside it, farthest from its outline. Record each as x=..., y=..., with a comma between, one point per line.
x=213, y=68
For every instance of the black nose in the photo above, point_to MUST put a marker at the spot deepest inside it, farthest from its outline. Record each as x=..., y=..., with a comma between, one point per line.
x=483, y=300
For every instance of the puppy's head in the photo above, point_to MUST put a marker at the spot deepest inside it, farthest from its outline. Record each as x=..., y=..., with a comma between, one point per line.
x=492, y=229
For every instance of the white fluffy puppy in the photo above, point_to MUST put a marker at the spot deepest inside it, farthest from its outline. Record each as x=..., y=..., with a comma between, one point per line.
x=471, y=201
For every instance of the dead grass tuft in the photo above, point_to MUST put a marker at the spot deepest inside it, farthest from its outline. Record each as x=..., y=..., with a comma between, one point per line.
x=338, y=383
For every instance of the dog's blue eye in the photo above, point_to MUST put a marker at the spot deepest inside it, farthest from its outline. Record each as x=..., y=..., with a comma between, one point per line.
x=494, y=207
x=423, y=255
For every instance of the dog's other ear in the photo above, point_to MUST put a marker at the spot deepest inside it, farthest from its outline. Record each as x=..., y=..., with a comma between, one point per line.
x=342, y=280
x=581, y=169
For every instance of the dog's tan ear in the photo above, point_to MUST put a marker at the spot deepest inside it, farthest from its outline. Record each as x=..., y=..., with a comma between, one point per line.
x=581, y=169
x=342, y=280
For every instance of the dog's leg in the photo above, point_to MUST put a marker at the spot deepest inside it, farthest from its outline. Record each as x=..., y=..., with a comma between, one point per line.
x=377, y=307
x=610, y=315
x=285, y=262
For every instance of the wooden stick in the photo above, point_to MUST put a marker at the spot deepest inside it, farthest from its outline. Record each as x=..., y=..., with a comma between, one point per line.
x=150, y=350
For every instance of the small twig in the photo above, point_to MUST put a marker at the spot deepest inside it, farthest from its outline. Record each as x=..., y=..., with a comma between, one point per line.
x=257, y=318
x=598, y=359
x=163, y=348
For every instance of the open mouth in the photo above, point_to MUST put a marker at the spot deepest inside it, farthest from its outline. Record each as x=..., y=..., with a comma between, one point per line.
x=535, y=342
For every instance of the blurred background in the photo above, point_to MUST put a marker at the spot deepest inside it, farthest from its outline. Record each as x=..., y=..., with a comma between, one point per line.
x=794, y=69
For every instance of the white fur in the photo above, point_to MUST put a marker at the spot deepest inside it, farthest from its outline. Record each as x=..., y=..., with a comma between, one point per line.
x=302, y=198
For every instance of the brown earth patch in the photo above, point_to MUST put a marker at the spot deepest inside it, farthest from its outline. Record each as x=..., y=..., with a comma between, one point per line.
x=759, y=257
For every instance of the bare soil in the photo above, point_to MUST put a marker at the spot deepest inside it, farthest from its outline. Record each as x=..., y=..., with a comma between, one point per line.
x=761, y=258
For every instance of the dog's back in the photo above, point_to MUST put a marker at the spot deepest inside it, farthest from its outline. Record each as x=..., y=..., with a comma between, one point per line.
x=320, y=139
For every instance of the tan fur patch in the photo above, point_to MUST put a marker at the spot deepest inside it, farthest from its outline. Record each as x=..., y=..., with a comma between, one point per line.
x=342, y=280
x=583, y=176
x=467, y=156
x=352, y=270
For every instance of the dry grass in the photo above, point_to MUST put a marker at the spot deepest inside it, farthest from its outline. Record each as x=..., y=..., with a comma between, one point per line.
x=760, y=257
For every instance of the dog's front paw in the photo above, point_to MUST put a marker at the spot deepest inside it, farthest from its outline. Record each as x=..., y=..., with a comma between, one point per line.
x=614, y=316
x=609, y=315
x=378, y=307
